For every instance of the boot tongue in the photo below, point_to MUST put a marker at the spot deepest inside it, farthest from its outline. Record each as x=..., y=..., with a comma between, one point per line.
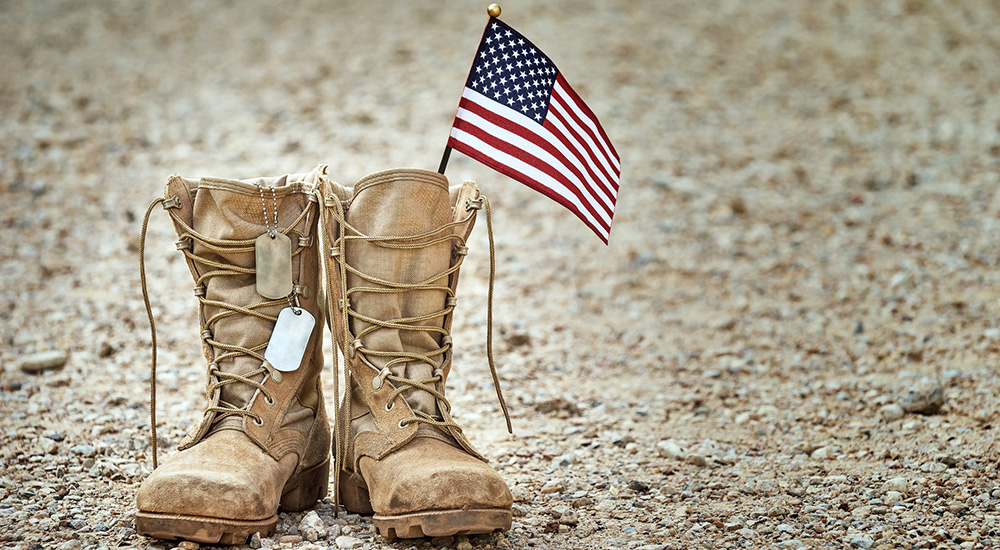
x=231, y=211
x=400, y=203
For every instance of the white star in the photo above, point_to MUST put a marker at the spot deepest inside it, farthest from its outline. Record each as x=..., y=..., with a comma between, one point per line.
x=524, y=109
x=538, y=116
x=524, y=74
x=535, y=83
x=520, y=41
x=517, y=87
x=489, y=39
x=531, y=95
x=479, y=68
x=494, y=25
x=534, y=105
x=510, y=67
x=508, y=33
x=493, y=85
x=520, y=98
x=482, y=54
x=531, y=72
x=506, y=57
x=502, y=46
x=516, y=54
x=496, y=95
x=518, y=64
x=506, y=91
x=503, y=80
x=492, y=51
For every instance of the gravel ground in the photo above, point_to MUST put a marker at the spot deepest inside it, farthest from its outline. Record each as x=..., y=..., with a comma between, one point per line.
x=790, y=343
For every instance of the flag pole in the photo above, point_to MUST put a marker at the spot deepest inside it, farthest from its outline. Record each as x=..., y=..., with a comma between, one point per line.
x=493, y=11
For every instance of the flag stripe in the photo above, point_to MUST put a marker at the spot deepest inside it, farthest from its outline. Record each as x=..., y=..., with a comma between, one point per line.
x=541, y=137
x=525, y=173
x=586, y=141
x=500, y=139
x=556, y=125
x=588, y=116
x=584, y=137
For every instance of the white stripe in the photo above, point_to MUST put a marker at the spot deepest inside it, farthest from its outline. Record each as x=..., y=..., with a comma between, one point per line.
x=589, y=122
x=580, y=152
x=530, y=171
x=528, y=124
x=588, y=143
x=539, y=153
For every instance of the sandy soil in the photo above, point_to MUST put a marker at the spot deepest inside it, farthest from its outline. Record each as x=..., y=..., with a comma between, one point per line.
x=805, y=252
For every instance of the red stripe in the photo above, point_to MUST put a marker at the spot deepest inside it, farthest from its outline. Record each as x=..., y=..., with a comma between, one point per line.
x=538, y=140
x=512, y=150
x=558, y=105
x=586, y=110
x=580, y=147
x=514, y=174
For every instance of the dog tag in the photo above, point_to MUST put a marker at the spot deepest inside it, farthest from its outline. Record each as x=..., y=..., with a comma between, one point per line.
x=289, y=339
x=274, y=265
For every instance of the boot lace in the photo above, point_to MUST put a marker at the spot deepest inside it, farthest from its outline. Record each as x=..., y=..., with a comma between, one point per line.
x=353, y=346
x=216, y=378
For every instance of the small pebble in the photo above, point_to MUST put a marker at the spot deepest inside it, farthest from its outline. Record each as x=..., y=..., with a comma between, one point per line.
x=924, y=397
x=345, y=542
x=45, y=360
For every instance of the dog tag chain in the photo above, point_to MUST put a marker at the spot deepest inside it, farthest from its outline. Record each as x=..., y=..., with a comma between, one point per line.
x=273, y=251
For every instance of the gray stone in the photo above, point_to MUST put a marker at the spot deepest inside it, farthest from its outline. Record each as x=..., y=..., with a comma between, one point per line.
x=926, y=396
x=892, y=411
x=668, y=448
x=345, y=542
x=255, y=540
x=861, y=541
x=312, y=527
x=563, y=460
x=84, y=450
x=44, y=360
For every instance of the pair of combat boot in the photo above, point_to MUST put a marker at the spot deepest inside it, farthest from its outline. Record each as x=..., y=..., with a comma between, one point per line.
x=272, y=259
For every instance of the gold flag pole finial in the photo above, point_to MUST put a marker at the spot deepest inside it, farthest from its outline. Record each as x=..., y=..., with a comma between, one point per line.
x=493, y=10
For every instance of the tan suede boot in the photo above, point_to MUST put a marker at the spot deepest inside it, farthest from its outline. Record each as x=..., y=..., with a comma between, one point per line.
x=264, y=440
x=395, y=244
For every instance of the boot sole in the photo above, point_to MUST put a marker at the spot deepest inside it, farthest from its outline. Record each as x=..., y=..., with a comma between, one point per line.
x=302, y=491
x=443, y=523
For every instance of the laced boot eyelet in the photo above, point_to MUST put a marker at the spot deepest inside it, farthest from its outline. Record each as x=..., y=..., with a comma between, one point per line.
x=402, y=425
x=258, y=421
x=269, y=400
x=389, y=406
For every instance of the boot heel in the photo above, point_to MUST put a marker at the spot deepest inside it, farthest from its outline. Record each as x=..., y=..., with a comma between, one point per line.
x=306, y=488
x=354, y=494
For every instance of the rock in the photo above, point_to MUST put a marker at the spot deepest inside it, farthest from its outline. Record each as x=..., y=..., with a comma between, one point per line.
x=44, y=360
x=47, y=445
x=892, y=411
x=892, y=497
x=312, y=527
x=345, y=542
x=669, y=448
x=898, y=484
x=924, y=397
x=791, y=543
x=84, y=450
x=189, y=545
x=290, y=539
x=552, y=486
x=69, y=545
x=463, y=544
x=697, y=460
x=255, y=540
x=605, y=505
x=860, y=541
x=638, y=486
x=822, y=453
x=563, y=460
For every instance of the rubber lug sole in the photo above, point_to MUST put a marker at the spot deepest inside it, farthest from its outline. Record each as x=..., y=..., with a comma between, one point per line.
x=302, y=491
x=442, y=523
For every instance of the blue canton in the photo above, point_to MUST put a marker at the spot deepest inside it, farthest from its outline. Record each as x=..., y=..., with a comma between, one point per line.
x=511, y=71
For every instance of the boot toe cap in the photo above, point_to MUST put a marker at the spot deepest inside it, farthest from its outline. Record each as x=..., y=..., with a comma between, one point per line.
x=432, y=475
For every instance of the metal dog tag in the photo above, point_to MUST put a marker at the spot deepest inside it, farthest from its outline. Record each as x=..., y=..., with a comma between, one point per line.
x=274, y=265
x=289, y=339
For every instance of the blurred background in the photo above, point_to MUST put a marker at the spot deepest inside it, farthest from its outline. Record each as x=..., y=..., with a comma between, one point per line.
x=797, y=314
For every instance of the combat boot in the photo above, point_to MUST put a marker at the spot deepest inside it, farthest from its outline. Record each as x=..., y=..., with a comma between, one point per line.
x=264, y=439
x=395, y=245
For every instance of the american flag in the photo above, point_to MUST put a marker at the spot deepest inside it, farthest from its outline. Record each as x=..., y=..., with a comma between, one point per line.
x=519, y=116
